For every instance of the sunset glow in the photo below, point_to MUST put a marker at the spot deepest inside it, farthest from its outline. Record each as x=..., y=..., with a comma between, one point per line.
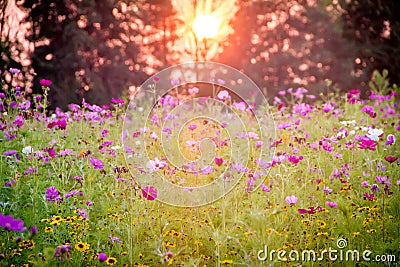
x=206, y=26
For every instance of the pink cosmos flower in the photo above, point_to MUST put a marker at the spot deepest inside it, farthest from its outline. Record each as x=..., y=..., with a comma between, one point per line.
x=218, y=161
x=155, y=165
x=96, y=163
x=192, y=126
x=44, y=82
x=223, y=95
x=391, y=159
x=295, y=160
x=206, y=170
x=331, y=204
x=368, y=144
x=149, y=192
x=291, y=200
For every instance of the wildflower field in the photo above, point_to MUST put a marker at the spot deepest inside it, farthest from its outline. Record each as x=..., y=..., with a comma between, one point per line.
x=72, y=195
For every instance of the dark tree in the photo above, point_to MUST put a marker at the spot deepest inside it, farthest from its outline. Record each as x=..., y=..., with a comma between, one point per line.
x=285, y=44
x=10, y=48
x=84, y=47
x=375, y=27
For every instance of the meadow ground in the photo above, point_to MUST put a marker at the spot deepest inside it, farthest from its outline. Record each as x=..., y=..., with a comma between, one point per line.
x=71, y=192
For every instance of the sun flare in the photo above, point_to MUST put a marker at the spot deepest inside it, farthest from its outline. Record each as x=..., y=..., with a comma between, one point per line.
x=206, y=26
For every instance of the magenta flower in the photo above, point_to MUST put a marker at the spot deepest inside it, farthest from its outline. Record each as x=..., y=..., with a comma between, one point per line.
x=295, y=160
x=52, y=194
x=102, y=257
x=96, y=163
x=368, y=144
x=117, y=101
x=310, y=210
x=44, y=82
x=391, y=159
x=291, y=200
x=9, y=223
x=149, y=192
x=331, y=204
x=218, y=161
x=192, y=126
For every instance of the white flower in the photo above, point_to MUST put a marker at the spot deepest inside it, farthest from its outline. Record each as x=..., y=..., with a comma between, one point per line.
x=137, y=143
x=27, y=150
x=140, y=109
x=353, y=122
x=374, y=134
x=352, y=132
x=115, y=147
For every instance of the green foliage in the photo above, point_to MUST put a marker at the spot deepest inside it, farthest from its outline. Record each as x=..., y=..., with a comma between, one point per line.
x=375, y=27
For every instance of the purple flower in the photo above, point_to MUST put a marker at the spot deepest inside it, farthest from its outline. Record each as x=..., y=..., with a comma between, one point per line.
x=390, y=140
x=65, y=152
x=265, y=188
x=9, y=223
x=364, y=184
x=33, y=230
x=52, y=194
x=102, y=257
x=114, y=239
x=375, y=187
x=72, y=193
x=291, y=200
x=381, y=179
x=82, y=212
x=62, y=251
x=96, y=163
x=19, y=121
x=10, y=153
x=327, y=190
x=14, y=70
x=331, y=204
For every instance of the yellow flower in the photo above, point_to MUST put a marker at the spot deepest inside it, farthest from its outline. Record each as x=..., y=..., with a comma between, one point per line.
x=226, y=262
x=355, y=234
x=82, y=246
x=123, y=253
x=111, y=261
x=370, y=231
x=285, y=138
x=48, y=229
x=321, y=223
x=169, y=245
